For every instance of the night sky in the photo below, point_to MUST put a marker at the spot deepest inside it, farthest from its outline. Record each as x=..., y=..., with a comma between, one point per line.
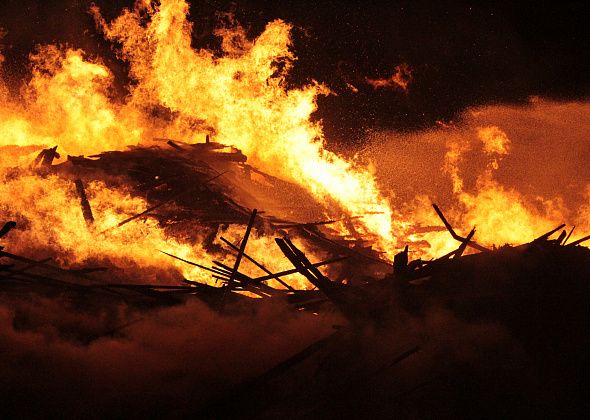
x=461, y=53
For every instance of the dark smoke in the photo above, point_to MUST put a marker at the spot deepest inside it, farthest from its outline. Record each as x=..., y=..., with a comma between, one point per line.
x=61, y=359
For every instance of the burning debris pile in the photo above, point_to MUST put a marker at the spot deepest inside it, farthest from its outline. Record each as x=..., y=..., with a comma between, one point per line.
x=209, y=186
x=527, y=303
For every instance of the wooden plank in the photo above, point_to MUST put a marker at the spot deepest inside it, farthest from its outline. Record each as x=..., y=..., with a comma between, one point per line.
x=262, y=267
x=579, y=241
x=298, y=261
x=8, y=226
x=568, y=236
x=241, y=250
x=548, y=234
x=464, y=244
x=453, y=233
x=212, y=270
x=84, y=203
x=294, y=270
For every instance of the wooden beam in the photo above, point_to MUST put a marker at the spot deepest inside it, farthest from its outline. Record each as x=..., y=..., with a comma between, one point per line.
x=252, y=260
x=453, y=233
x=241, y=250
x=294, y=270
x=548, y=234
x=86, y=209
x=579, y=241
x=464, y=244
x=568, y=236
x=8, y=226
x=212, y=270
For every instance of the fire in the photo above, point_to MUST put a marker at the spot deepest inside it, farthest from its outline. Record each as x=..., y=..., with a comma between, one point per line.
x=133, y=246
x=240, y=97
x=66, y=103
x=500, y=214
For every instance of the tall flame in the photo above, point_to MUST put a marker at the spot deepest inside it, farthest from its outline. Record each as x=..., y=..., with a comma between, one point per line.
x=500, y=214
x=242, y=97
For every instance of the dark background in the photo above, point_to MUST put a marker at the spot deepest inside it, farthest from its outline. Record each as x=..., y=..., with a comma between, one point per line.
x=461, y=53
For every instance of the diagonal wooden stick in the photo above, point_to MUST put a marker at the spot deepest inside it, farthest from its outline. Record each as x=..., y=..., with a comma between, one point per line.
x=454, y=234
x=230, y=282
x=263, y=268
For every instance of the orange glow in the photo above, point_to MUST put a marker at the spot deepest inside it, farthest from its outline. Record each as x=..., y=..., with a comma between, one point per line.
x=239, y=98
x=242, y=99
x=133, y=246
x=486, y=187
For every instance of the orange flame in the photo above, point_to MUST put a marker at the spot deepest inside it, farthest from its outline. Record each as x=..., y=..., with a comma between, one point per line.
x=240, y=97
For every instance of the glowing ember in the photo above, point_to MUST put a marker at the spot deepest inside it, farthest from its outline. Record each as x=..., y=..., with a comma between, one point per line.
x=400, y=79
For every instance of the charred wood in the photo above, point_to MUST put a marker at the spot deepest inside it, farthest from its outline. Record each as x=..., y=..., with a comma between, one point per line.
x=86, y=209
x=241, y=250
x=8, y=226
x=262, y=267
x=454, y=234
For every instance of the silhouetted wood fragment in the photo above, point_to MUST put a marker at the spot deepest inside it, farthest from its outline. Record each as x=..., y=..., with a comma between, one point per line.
x=294, y=270
x=46, y=157
x=548, y=234
x=464, y=244
x=453, y=233
x=241, y=250
x=304, y=266
x=212, y=270
x=50, y=155
x=86, y=209
x=568, y=236
x=263, y=268
x=579, y=241
x=400, y=262
x=174, y=145
x=8, y=226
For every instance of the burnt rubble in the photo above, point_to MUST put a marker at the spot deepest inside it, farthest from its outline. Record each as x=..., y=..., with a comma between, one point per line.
x=490, y=333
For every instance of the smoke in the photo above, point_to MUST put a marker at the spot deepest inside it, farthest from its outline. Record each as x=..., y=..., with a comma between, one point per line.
x=65, y=359
x=536, y=175
x=548, y=158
